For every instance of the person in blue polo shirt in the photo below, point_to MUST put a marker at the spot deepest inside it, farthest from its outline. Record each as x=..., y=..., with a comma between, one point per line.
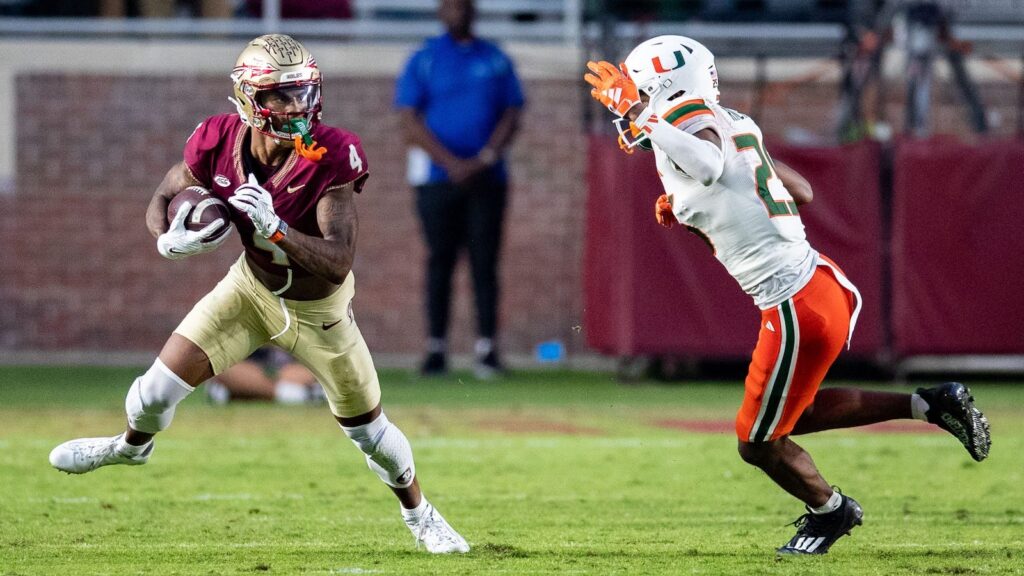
x=460, y=101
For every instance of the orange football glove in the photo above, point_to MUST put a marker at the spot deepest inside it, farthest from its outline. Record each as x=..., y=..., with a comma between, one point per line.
x=612, y=87
x=663, y=211
x=633, y=132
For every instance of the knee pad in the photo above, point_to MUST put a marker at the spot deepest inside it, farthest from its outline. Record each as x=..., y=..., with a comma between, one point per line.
x=387, y=450
x=152, y=398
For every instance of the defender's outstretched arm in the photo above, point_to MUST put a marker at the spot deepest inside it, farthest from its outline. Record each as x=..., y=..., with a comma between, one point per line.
x=698, y=155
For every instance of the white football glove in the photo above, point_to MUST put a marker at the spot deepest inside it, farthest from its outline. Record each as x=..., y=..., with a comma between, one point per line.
x=180, y=242
x=258, y=205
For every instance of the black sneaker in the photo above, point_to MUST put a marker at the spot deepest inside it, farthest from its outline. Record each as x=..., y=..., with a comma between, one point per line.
x=435, y=364
x=816, y=533
x=951, y=407
x=488, y=366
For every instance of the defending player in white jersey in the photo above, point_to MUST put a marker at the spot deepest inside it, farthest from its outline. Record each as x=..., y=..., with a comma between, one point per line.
x=721, y=183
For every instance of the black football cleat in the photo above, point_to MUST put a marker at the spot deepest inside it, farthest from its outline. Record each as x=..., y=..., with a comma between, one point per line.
x=816, y=533
x=951, y=407
x=488, y=366
x=435, y=364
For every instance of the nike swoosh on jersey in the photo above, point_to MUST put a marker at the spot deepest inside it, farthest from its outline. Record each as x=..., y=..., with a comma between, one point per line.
x=327, y=326
x=294, y=189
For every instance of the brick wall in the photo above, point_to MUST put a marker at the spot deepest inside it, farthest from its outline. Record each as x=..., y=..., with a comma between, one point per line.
x=83, y=273
x=80, y=271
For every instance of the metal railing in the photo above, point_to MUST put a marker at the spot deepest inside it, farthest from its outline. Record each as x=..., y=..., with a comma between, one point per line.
x=540, y=21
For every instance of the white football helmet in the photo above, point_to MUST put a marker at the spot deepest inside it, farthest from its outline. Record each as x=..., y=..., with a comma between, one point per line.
x=666, y=65
x=276, y=80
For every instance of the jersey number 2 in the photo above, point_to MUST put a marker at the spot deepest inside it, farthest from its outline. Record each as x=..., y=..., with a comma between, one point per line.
x=763, y=172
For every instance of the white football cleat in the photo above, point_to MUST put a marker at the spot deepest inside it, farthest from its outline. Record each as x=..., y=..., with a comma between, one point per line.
x=436, y=535
x=87, y=454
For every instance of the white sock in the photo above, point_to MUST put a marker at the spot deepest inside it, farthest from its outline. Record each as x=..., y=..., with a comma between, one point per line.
x=129, y=450
x=484, y=346
x=413, y=515
x=918, y=407
x=830, y=506
x=286, y=392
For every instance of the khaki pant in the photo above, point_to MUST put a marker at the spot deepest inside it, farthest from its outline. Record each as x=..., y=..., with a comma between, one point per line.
x=240, y=315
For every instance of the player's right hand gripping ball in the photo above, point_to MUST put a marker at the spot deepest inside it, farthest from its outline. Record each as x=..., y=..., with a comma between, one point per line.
x=258, y=204
x=612, y=87
x=199, y=222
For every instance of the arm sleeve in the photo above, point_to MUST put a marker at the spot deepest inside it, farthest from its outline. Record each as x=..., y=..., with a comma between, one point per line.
x=410, y=90
x=698, y=158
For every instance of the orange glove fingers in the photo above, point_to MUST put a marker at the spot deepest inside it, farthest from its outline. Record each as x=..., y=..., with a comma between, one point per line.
x=609, y=69
x=663, y=211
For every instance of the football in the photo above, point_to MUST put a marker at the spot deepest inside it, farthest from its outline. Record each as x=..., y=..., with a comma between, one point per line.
x=205, y=209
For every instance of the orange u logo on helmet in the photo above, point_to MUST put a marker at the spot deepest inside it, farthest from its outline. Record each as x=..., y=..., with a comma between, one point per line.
x=661, y=69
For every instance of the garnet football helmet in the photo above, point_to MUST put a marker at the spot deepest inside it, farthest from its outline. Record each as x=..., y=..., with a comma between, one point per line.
x=664, y=66
x=276, y=80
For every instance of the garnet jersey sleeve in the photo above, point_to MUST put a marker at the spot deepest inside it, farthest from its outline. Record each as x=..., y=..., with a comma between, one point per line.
x=201, y=147
x=347, y=158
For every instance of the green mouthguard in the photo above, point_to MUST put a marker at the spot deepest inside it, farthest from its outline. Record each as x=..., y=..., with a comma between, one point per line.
x=301, y=127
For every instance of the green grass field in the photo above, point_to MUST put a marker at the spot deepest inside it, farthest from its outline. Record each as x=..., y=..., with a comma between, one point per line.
x=543, y=472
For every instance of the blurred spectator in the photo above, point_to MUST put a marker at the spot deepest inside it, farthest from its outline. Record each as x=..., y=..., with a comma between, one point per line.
x=302, y=9
x=460, y=100
x=251, y=379
x=62, y=8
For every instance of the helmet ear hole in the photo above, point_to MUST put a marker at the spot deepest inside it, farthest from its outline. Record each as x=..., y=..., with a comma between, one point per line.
x=677, y=95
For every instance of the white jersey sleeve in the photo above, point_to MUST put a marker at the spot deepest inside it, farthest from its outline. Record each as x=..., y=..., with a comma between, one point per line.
x=747, y=216
x=696, y=157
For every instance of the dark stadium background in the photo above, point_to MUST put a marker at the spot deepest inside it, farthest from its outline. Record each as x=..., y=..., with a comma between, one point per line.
x=98, y=99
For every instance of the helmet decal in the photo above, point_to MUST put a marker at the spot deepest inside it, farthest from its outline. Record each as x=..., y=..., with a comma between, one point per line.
x=665, y=67
x=661, y=69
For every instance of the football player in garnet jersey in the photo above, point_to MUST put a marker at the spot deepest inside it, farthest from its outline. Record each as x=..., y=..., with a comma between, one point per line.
x=721, y=184
x=291, y=182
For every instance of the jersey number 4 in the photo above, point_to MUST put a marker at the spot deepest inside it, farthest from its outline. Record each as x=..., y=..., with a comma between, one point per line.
x=763, y=172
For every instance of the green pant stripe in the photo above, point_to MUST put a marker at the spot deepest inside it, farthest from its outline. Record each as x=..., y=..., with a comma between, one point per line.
x=778, y=385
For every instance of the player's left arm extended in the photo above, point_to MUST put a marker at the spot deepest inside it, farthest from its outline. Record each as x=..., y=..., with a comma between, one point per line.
x=329, y=257
x=698, y=155
x=798, y=186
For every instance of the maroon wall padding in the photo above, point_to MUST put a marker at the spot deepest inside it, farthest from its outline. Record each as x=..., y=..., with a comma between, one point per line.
x=844, y=222
x=649, y=290
x=958, y=248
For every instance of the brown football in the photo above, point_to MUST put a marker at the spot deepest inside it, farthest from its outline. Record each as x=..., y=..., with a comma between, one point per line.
x=205, y=209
